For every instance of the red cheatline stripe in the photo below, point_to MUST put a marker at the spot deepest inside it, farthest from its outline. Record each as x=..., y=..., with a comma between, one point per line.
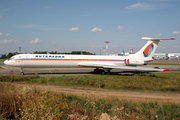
x=72, y=60
x=166, y=70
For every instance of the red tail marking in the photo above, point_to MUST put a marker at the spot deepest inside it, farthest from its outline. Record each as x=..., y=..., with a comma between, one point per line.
x=128, y=61
x=146, y=51
x=166, y=70
x=124, y=61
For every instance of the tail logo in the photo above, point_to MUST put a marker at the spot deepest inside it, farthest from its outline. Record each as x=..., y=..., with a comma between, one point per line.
x=148, y=50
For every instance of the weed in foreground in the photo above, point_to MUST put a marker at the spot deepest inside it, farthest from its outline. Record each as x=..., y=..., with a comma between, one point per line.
x=43, y=106
x=16, y=78
x=24, y=102
x=11, y=99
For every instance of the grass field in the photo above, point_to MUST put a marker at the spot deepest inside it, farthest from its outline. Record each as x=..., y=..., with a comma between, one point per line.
x=20, y=102
x=2, y=60
x=136, y=82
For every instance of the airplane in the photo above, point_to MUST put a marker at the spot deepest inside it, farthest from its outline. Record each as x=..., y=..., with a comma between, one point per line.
x=102, y=64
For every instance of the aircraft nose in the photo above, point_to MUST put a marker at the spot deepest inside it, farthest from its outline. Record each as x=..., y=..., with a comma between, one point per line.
x=5, y=62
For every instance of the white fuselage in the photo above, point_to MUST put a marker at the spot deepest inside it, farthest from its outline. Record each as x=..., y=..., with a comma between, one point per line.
x=62, y=61
x=142, y=57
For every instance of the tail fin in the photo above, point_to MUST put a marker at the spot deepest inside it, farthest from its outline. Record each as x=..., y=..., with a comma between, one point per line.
x=149, y=49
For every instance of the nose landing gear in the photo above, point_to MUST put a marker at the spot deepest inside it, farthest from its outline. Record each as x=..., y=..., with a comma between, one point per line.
x=21, y=73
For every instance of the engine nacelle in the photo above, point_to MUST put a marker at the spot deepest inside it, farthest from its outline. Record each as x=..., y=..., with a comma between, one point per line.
x=134, y=62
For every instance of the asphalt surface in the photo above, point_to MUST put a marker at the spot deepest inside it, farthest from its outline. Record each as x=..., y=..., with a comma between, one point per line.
x=6, y=70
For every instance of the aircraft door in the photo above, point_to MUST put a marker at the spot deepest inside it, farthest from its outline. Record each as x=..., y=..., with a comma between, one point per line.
x=26, y=61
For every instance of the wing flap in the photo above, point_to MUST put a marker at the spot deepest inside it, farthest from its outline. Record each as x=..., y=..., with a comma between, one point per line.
x=137, y=68
x=99, y=65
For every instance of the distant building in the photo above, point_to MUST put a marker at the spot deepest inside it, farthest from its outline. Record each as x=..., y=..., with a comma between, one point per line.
x=167, y=56
x=131, y=51
x=159, y=56
x=174, y=56
x=124, y=54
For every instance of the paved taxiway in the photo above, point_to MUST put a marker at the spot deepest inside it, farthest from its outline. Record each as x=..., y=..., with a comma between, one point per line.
x=6, y=70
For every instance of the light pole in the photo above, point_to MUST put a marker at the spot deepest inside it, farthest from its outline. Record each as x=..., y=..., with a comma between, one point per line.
x=19, y=49
x=104, y=50
x=106, y=47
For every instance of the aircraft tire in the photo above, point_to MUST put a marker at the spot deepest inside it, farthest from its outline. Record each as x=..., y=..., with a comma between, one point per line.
x=109, y=73
x=103, y=72
x=96, y=71
x=21, y=73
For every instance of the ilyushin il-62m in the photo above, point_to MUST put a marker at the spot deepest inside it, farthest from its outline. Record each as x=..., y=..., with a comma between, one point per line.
x=101, y=63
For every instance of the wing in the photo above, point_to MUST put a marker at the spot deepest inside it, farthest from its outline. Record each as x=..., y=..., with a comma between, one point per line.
x=112, y=66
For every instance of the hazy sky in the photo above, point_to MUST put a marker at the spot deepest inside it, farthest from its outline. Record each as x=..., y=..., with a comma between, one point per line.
x=73, y=25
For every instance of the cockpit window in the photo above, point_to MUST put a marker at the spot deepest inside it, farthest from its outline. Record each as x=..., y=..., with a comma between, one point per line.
x=11, y=58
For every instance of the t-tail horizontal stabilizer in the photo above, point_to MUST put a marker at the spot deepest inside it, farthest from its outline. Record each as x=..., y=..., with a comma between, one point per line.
x=148, y=50
x=154, y=39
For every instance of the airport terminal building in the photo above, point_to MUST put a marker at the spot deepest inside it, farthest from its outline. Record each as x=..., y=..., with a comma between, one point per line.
x=159, y=56
x=166, y=56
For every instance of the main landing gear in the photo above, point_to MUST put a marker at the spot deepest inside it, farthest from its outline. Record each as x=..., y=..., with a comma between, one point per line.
x=102, y=71
x=21, y=73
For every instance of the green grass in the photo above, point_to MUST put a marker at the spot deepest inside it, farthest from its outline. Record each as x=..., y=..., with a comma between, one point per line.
x=17, y=78
x=20, y=102
x=2, y=60
x=139, y=82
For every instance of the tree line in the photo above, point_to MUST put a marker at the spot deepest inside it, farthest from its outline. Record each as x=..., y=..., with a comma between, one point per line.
x=53, y=52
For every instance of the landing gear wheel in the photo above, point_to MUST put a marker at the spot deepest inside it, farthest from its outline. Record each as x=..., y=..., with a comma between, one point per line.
x=103, y=72
x=21, y=73
x=96, y=70
x=109, y=73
